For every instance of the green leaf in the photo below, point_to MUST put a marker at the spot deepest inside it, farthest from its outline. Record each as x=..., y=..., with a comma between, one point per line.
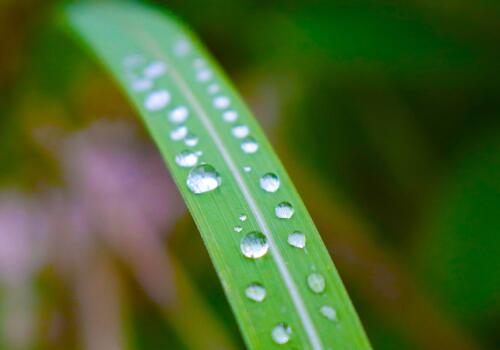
x=127, y=40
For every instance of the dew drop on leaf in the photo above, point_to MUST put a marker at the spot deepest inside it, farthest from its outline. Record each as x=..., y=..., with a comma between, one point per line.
x=243, y=217
x=316, y=282
x=256, y=292
x=238, y=228
x=297, y=239
x=178, y=114
x=284, y=210
x=179, y=133
x=281, y=333
x=328, y=312
x=186, y=159
x=157, y=100
x=249, y=145
x=270, y=182
x=142, y=85
x=191, y=140
x=221, y=102
x=254, y=245
x=203, y=178
x=213, y=89
x=230, y=116
x=240, y=131
x=247, y=169
x=204, y=75
x=155, y=70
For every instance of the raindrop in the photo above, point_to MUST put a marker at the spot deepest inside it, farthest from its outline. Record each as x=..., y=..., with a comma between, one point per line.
x=281, y=333
x=179, y=133
x=186, y=159
x=155, y=70
x=256, y=292
x=270, y=182
x=238, y=228
x=203, y=178
x=191, y=140
x=142, y=85
x=182, y=48
x=230, y=116
x=157, y=100
x=240, y=131
x=213, y=89
x=204, y=75
x=221, y=102
x=198, y=63
x=284, y=210
x=249, y=145
x=254, y=245
x=178, y=115
x=328, y=312
x=316, y=282
x=297, y=239
x=247, y=169
x=243, y=217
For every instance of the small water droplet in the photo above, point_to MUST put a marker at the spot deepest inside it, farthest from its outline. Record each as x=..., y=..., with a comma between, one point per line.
x=243, y=217
x=204, y=75
x=203, y=178
x=316, y=282
x=157, y=100
x=270, y=182
x=182, y=47
x=186, y=159
x=199, y=153
x=240, y=131
x=247, y=169
x=297, y=239
x=256, y=292
x=281, y=333
x=132, y=60
x=284, y=210
x=199, y=63
x=221, y=102
x=238, y=228
x=249, y=145
x=191, y=140
x=142, y=84
x=179, y=133
x=254, y=245
x=178, y=115
x=230, y=116
x=155, y=69
x=328, y=312
x=213, y=89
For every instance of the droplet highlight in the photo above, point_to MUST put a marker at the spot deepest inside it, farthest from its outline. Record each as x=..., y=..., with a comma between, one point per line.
x=328, y=312
x=284, y=210
x=213, y=89
x=186, y=159
x=155, y=69
x=179, y=133
x=247, y=169
x=157, y=100
x=240, y=131
x=191, y=140
x=270, y=182
x=243, y=217
x=142, y=85
x=203, y=178
x=204, y=75
x=238, y=228
x=254, y=245
x=297, y=239
x=221, y=102
x=316, y=282
x=256, y=292
x=249, y=145
x=178, y=115
x=281, y=333
x=229, y=116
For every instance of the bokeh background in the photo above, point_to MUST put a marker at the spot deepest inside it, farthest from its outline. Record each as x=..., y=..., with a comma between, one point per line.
x=385, y=113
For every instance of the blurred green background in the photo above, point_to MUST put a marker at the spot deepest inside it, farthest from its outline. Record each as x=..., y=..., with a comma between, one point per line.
x=385, y=113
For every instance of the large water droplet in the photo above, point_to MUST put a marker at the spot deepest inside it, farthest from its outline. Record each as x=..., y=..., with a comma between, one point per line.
x=191, y=140
x=254, y=245
x=221, y=102
x=256, y=292
x=270, y=182
x=186, y=159
x=203, y=178
x=297, y=239
x=328, y=312
x=179, y=133
x=249, y=145
x=142, y=84
x=243, y=217
x=204, y=75
x=157, y=100
x=316, y=282
x=229, y=116
x=240, y=131
x=281, y=333
x=284, y=210
x=238, y=228
x=155, y=70
x=178, y=114
x=213, y=89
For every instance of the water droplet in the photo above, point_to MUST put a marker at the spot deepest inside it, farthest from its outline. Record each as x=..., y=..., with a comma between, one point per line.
x=213, y=89
x=297, y=239
x=249, y=145
x=316, y=282
x=243, y=217
x=204, y=75
x=254, y=245
x=132, y=60
x=199, y=63
x=256, y=292
x=178, y=115
x=199, y=153
x=221, y=102
x=186, y=159
x=155, y=70
x=157, y=100
x=191, y=140
x=240, y=131
x=179, y=133
x=182, y=47
x=328, y=312
x=270, y=182
x=203, y=178
x=229, y=116
x=281, y=333
x=142, y=85
x=247, y=169
x=238, y=228
x=284, y=210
